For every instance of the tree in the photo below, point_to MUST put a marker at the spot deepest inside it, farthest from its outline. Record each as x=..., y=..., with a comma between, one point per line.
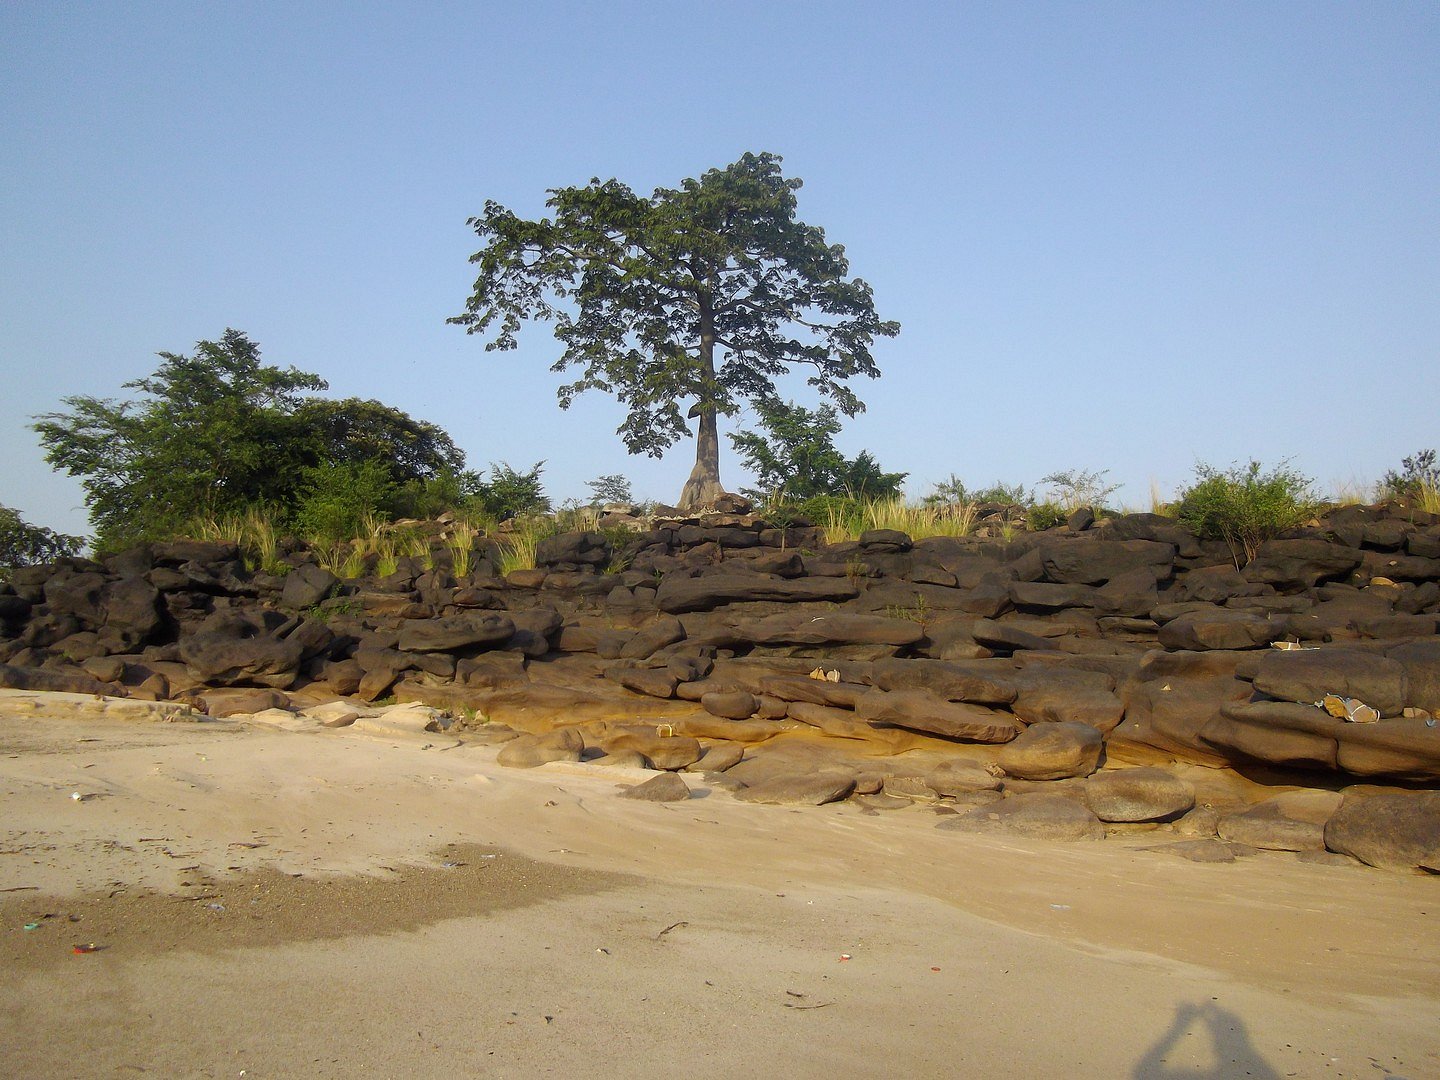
x=644, y=293
x=23, y=544
x=219, y=431
x=1244, y=506
x=609, y=489
x=797, y=459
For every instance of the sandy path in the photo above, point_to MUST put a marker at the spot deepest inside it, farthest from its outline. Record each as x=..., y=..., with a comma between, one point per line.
x=1083, y=960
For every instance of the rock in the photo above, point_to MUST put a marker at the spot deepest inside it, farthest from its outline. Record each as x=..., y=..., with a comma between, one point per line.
x=667, y=787
x=306, y=586
x=406, y=719
x=956, y=778
x=838, y=695
x=530, y=751
x=1053, y=752
x=1219, y=628
x=623, y=759
x=492, y=670
x=667, y=752
x=679, y=594
x=451, y=633
x=830, y=628
x=813, y=789
x=1278, y=732
x=652, y=682
x=1308, y=675
x=76, y=595
x=235, y=701
x=913, y=788
x=58, y=682
x=1301, y=564
x=220, y=657
x=1399, y=831
x=921, y=710
x=132, y=608
x=718, y=757
x=1204, y=851
x=841, y=723
x=951, y=681
x=1004, y=638
x=665, y=630
x=1061, y=695
x=731, y=705
x=332, y=714
x=1094, y=562
x=1035, y=817
x=1421, y=661
x=1144, y=794
x=1294, y=821
x=573, y=549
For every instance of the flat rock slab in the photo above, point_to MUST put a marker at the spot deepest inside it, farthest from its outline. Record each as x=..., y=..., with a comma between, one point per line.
x=531, y=751
x=705, y=593
x=1308, y=675
x=922, y=710
x=46, y=705
x=1053, y=752
x=1138, y=795
x=800, y=790
x=1036, y=817
x=1205, y=851
x=1294, y=821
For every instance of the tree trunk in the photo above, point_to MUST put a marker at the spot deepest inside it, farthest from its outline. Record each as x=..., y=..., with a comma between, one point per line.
x=703, y=487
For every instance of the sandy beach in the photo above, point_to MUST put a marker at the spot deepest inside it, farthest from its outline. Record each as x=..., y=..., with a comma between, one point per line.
x=275, y=903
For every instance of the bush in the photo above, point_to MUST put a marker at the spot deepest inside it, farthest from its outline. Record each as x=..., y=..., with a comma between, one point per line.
x=339, y=502
x=953, y=490
x=1420, y=473
x=512, y=494
x=1244, y=506
x=1045, y=515
x=1077, y=488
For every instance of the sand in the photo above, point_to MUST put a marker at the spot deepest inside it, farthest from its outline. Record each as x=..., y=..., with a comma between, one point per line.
x=270, y=903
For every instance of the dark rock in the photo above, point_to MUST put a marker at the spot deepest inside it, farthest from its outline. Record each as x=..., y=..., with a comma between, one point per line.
x=652, y=682
x=59, y=682
x=951, y=681
x=829, y=628
x=1301, y=564
x=222, y=655
x=732, y=705
x=1094, y=562
x=677, y=594
x=665, y=630
x=1421, y=661
x=1308, y=675
x=455, y=632
x=530, y=751
x=306, y=586
x=1053, y=752
x=1398, y=831
x=238, y=701
x=573, y=549
x=1005, y=638
x=1219, y=628
x=839, y=695
x=1281, y=733
x=718, y=757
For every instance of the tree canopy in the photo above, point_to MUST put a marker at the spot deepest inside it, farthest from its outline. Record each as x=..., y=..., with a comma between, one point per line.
x=220, y=431
x=703, y=294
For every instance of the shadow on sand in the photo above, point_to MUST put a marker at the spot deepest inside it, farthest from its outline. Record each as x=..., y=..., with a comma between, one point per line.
x=1231, y=1052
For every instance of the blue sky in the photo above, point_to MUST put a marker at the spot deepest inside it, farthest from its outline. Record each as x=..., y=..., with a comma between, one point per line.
x=1117, y=236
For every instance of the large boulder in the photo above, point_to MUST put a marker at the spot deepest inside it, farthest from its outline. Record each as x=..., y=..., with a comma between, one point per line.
x=235, y=651
x=306, y=586
x=1094, y=562
x=1219, y=628
x=1035, y=816
x=531, y=751
x=1294, y=821
x=950, y=680
x=1053, y=752
x=1301, y=564
x=1145, y=794
x=1307, y=675
x=812, y=789
x=829, y=628
x=573, y=549
x=1421, y=661
x=1395, y=831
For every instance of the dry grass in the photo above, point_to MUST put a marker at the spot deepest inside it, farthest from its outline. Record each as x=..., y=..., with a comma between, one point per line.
x=518, y=546
x=252, y=531
x=916, y=521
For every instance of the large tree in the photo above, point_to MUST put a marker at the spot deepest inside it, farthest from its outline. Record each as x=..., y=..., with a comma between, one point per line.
x=219, y=431
x=702, y=294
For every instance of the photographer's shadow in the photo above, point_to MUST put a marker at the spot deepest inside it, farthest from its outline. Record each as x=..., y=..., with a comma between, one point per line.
x=1231, y=1052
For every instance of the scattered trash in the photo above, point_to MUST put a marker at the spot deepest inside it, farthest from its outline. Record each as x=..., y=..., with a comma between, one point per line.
x=672, y=926
x=844, y=956
x=31, y=926
x=1291, y=646
x=451, y=865
x=821, y=675
x=605, y=951
x=76, y=796
x=934, y=969
x=1349, y=709
x=216, y=907
x=81, y=950
x=1060, y=907
x=1430, y=723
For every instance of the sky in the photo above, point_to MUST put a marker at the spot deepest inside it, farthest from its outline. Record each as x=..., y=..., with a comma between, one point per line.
x=1117, y=236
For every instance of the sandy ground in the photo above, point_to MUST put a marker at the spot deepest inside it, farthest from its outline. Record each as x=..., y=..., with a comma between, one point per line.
x=327, y=904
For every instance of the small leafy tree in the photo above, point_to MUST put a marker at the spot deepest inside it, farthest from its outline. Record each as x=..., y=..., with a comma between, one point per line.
x=23, y=544
x=796, y=457
x=702, y=294
x=1245, y=506
x=953, y=490
x=613, y=488
x=1419, y=473
x=1076, y=488
x=510, y=494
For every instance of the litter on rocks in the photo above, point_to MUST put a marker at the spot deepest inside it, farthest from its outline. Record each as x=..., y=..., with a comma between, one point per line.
x=1349, y=709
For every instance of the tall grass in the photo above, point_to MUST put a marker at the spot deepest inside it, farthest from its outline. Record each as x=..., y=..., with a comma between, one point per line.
x=252, y=531
x=519, y=544
x=461, y=545
x=1429, y=498
x=847, y=520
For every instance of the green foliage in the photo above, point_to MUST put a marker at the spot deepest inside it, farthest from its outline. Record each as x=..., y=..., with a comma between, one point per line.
x=512, y=494
x=1419, y=472
x=953, y=490
x=614, y=488
x=1044, y=515
x=214, y=434
x=23, y=544
x=1077, y=488
x=796, y=458
x=1244, y=506
x=338, y=501
x=253, y=530
x=643, y=291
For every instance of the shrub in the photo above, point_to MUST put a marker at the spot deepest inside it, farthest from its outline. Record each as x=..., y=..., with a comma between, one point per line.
x=512, y=494
x=953, y=490
x=1420, y=474
x=1244, y=506
x=341, y=502
x=613, y=488
x=1045, y=515
x=1077, y=488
